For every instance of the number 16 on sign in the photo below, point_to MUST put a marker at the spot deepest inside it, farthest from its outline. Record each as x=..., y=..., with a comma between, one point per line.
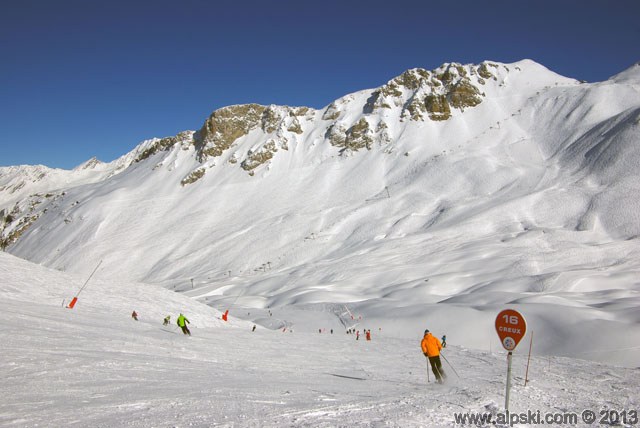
x=511, y=327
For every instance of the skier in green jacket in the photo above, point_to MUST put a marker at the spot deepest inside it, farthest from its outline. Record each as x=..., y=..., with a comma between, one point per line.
x=182, y=323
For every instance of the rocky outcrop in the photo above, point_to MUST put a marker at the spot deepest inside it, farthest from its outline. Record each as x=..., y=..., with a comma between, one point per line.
x=16, y=221
x=431, y=94
x=357, y=136
x=418, y=94
x=260, y=156
x=193, y=176
x=163, y=144
x=225, y=126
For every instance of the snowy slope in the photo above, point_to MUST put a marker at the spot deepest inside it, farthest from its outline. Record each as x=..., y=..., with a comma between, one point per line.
x=523, y=196
x=95, y=366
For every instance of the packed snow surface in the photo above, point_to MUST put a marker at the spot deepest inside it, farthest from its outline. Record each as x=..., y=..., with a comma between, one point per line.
x=95, y=366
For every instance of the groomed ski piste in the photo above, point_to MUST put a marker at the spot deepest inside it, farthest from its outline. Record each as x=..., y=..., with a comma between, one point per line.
x=94, y=366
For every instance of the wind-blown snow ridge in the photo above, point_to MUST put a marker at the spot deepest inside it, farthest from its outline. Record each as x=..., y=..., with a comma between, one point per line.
x=438, y=198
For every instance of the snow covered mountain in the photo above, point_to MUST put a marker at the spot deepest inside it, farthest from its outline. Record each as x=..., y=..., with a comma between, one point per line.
x=94, y=366
x=437, y=198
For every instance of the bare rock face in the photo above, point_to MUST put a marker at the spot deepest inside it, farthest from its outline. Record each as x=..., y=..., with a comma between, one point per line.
x=225, y=126
x=356, y=137
x=426, y=94
x=229, y=124
x=163, y=144
x=260, y=156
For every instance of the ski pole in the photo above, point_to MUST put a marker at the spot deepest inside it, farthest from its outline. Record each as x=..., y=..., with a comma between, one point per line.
x=454, y=370
x=427, y=358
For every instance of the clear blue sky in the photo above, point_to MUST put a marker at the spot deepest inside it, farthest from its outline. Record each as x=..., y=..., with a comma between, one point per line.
x=83, y=78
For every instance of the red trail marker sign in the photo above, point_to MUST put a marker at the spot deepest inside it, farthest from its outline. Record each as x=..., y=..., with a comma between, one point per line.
x=511, y=328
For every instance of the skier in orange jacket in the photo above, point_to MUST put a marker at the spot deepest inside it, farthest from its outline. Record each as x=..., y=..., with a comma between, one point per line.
x=431, y=347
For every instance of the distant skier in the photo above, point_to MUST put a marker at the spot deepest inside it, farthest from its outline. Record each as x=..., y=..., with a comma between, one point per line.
x=254, y=328
x=134, y=315
x=167, y=319
x=182, y=323
x=431, y=347
x=357, y=334
x=444, y=341
x=368, y=335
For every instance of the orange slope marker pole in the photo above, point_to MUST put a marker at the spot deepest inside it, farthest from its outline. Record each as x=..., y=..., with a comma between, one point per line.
x=75, y=299
x=526, y=376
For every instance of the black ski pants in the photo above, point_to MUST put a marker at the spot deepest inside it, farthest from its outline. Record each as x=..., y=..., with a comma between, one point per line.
x=436, y=366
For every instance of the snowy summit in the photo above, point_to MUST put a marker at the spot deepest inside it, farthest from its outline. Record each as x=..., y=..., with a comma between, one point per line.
x=434, y=201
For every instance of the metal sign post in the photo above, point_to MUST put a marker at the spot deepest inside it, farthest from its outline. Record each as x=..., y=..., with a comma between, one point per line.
x=511, y=327
x=506, y=396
